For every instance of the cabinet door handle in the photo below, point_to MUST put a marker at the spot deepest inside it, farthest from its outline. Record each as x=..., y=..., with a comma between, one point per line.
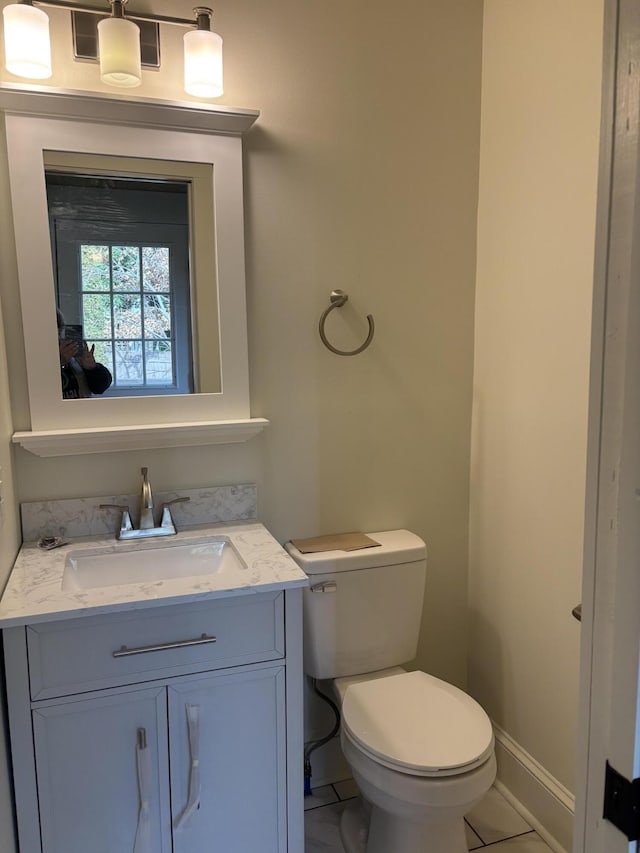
x=142, y=843
x=193, y=799
x=123, y=651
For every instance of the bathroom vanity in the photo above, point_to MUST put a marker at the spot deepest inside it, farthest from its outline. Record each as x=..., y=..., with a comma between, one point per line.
x=161, y=715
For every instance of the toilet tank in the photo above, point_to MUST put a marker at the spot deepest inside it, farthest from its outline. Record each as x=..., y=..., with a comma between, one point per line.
x=362, y=610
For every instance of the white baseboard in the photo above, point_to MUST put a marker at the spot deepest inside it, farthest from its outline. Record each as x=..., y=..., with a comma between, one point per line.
x=543, y=801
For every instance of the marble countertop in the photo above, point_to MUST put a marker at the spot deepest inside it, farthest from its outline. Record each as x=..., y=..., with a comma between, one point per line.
x=34, y=590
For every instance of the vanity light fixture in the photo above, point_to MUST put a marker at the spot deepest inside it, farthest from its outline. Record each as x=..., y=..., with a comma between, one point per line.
x=26, y=41
x=119, y=48
x=28, y=49
x=203, y=58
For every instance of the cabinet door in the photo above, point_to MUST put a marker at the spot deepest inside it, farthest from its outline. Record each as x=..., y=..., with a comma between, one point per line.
x=241, y=761
x=87, y=756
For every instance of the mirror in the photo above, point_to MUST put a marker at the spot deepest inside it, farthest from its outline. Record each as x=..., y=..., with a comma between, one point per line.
x=197, y=366
x=132, y=319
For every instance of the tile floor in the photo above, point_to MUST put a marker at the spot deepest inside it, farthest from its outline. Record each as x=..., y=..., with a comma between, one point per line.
x=493, y=824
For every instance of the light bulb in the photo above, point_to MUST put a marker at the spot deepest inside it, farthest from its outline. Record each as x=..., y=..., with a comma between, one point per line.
x=119, y=48
x=26, y=41
x=203, y=64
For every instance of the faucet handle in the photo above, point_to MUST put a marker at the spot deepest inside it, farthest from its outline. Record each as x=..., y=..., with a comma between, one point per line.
x=167, y=520
x=125, y=523
x=176, y=501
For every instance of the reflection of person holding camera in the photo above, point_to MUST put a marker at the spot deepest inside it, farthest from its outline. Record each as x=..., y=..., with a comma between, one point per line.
x=81, y=374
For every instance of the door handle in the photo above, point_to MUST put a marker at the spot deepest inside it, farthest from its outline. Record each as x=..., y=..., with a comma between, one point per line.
x=577, y=612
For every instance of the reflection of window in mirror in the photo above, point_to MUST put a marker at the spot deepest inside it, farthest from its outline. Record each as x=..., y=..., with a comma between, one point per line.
x=120, y=242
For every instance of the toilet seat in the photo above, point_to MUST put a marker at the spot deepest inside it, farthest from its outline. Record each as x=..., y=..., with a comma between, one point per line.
x=417, y=724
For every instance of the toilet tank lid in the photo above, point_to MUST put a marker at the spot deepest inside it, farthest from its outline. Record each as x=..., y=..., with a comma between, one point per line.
x=396, y=546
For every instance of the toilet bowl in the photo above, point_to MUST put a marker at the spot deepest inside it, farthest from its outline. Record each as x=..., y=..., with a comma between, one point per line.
x=422, y=753
x=421, y=750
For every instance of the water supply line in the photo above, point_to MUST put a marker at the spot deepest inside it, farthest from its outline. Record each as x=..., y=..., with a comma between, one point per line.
x=315, y=744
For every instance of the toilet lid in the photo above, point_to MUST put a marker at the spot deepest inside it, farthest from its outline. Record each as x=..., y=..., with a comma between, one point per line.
x=418, y=723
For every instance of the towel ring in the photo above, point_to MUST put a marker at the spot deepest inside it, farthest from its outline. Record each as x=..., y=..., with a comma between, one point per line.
x=338, y=299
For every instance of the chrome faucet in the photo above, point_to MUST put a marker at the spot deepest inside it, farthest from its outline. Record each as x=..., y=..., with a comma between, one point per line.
x=146, y=503
x=146, y=526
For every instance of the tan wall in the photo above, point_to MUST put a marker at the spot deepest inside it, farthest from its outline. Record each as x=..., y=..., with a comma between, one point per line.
x=538, y=166
x=361, y=173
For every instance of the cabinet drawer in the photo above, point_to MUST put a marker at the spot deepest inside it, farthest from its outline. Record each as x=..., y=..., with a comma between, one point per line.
x=78, y=655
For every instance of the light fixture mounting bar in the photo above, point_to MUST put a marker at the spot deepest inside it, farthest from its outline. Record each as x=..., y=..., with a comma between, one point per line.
x=134, y=16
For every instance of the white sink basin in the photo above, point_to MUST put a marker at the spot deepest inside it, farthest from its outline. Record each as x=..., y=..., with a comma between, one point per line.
x=92, y=568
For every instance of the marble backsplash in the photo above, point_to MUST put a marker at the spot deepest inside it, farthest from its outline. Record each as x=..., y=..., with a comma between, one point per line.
x=83, y=516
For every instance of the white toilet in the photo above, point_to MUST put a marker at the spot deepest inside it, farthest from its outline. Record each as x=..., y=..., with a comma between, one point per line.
x=421, y=750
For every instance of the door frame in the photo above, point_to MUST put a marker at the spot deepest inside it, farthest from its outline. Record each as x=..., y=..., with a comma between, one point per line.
x=610, y=648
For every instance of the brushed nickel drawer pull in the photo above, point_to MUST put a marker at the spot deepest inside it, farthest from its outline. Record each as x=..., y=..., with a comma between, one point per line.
x=123, y=651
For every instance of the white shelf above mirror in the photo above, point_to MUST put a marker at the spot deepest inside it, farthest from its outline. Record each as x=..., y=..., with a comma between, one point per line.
x=70, y=442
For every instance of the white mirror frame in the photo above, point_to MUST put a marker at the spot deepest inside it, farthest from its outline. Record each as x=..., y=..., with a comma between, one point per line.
x=38, y=121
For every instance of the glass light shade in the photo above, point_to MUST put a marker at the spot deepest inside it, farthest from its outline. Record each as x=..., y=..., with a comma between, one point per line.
x=26, y=41
x=203, y=64
x=119, y=49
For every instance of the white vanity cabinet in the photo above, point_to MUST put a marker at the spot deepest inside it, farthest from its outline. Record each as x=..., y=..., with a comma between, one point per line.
x=85, y=753
x=120, y=721
x=241, y=761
